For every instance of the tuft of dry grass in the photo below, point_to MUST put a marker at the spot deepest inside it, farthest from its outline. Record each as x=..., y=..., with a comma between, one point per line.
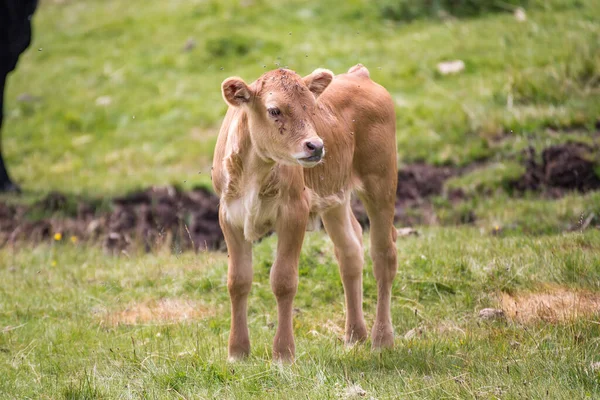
x=161, y=311
x=553, y=305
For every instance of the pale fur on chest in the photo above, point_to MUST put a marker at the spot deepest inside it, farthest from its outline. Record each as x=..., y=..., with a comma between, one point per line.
x=256, y=213
x=252, y=212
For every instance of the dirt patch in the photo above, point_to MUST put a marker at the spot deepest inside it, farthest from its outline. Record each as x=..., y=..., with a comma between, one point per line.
x=152, y=218
x=565, y=167
x=184, y=220
x=554, y=305
x=416, y=183
x=157, y=312
x=161, y=217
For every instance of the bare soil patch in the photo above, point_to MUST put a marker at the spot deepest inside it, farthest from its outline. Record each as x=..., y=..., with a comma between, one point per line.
x=416, y=183
x=552, y=305
x=152, y=218
x=160, y=217
x=565, y=167
x=161, y=311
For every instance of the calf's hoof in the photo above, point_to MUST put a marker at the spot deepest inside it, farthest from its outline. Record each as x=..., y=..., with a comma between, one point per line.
x=232, y=358
x=283, y=358
x=238, y=352
x=382, y=337
x=356, y=334
x=283, y=352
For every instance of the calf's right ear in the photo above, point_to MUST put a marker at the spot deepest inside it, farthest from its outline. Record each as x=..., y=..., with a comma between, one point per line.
x=318, y=81
x=235, y=91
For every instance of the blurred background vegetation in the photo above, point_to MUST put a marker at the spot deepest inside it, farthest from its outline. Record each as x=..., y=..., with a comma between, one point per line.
x=116, y=95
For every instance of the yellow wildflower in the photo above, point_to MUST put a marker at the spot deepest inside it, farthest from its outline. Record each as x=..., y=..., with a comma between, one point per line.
x=74, y=239
x=57, y=236
x=53, y=263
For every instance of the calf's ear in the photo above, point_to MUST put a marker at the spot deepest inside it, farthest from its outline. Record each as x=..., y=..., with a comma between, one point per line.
x=235, y=91
x=318, y=81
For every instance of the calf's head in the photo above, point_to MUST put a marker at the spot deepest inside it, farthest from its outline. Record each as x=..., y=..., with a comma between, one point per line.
x=280, y=107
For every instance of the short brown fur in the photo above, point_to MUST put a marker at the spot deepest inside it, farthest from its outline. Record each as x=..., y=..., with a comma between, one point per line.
x=267, y=182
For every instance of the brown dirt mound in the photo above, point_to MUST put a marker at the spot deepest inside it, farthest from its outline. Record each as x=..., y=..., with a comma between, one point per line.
x=155, y=217
x=167, y=216
x=419, y=181
x=416, y=183
x=553, y=305
x=569, y=166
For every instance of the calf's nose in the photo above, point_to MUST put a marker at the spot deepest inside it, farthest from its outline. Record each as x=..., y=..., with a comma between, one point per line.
x=314, y=147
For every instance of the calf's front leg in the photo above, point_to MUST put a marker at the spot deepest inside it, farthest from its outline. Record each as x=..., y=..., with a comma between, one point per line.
x=239, y=282
x=290, y=230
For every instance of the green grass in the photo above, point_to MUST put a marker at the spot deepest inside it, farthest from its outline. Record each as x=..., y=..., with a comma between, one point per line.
x=55, y=342
x=484, y=181
x=533, y=83
x=165, y=103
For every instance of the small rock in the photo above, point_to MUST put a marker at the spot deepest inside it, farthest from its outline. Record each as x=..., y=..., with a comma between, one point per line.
x=94, y=227
x=27, y=98
x=491, y=314
x=451, y=67
x=190, y=44
x=413, y=333
x=103, y=101
x=520, y=15
x=403, y=232
x=354, y=392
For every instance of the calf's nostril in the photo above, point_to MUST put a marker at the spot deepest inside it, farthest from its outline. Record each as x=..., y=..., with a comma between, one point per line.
x=315, y=148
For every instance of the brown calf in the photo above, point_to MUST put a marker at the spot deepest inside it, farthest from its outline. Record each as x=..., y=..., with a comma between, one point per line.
x=291, y=149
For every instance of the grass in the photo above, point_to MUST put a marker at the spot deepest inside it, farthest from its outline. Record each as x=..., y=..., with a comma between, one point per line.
x=114, y=91
x=114, y=103
x=58, y=341
x=485, y=180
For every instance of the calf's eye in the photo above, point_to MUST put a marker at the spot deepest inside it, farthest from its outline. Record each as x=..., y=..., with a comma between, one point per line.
x=274, y=112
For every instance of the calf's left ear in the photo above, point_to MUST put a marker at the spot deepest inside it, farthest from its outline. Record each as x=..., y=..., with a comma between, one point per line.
x=235, y=91
x=318, y=81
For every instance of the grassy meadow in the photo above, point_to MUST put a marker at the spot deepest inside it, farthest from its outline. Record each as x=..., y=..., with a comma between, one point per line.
x=115, y=96
x=80, y=325
x=114, y=100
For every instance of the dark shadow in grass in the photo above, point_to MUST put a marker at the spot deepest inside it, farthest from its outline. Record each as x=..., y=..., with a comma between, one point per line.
x=425, y=357
x=409, y=10
x=83, y=389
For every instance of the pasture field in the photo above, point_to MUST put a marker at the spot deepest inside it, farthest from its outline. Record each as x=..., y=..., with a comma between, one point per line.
x=115, y=96
x=77, y=324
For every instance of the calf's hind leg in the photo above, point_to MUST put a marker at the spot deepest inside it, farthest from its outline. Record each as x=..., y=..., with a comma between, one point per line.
x=379, y=201
x=346, y=234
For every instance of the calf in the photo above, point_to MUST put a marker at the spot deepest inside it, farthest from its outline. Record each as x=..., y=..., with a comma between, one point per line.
x=292, y=149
